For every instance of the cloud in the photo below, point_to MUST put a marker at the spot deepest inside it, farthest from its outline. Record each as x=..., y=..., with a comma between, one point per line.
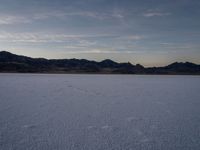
x=77, y=43
x=9, y=19
x=180, y=46
x=12, y=19
x=90, y=14
x=29, y=37
x=131, y=37
x=99, y=51
x=83, y=39
x=39, y=37
x=156, y=14
x=166, y=44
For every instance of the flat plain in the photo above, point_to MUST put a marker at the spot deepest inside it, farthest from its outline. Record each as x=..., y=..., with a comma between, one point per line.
x=99, y=112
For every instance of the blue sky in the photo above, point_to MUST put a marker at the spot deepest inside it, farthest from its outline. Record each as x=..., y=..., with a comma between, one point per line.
x=149, y=32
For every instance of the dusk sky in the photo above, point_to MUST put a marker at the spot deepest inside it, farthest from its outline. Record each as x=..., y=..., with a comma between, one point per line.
x=149, y=32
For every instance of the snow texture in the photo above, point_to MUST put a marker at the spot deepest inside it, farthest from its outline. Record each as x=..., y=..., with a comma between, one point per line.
x=99, y=112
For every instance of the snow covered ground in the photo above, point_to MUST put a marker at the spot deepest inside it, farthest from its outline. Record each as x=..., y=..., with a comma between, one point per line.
x=99, y=112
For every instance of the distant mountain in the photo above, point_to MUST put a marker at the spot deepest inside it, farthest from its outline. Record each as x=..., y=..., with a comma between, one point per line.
x=14, y=63
x=176, y=68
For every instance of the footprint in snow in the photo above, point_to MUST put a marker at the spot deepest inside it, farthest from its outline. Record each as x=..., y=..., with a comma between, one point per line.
x=30, y=126
x=106, y=127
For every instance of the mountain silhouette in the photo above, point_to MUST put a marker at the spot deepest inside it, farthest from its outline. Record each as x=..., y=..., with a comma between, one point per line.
x=15, y=63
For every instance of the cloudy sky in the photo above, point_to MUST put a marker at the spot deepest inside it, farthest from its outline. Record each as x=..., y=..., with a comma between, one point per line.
x=149, y=32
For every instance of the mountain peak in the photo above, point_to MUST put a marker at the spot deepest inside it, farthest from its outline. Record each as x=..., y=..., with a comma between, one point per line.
x=180, y=64
x=5, y=52
x=107, y=61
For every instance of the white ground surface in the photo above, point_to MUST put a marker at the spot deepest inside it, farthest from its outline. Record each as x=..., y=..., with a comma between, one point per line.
x=99, y=112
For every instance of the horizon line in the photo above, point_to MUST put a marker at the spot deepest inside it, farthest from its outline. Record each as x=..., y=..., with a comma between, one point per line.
x=97, y=60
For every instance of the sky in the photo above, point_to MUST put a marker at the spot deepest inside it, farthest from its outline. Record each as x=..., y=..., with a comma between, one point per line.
x=149, y=32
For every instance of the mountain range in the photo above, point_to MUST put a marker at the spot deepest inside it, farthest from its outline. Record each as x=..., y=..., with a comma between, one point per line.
x=12, y=63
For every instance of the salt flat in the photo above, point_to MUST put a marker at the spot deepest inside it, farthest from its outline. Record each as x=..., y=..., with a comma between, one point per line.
x=99, y=112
